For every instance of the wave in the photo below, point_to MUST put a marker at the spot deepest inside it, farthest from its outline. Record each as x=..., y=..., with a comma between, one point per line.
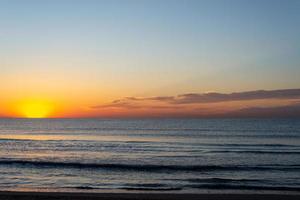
x=157, y=168
x=209, y=185
x=129, y=186
x=242, y=187
x=254, y=152
x=223, y=180
x=148, y=186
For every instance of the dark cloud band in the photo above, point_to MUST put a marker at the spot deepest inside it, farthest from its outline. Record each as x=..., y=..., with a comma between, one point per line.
x=212, y=97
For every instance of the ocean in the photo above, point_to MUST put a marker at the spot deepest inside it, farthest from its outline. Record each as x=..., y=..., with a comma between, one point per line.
x=165, y=155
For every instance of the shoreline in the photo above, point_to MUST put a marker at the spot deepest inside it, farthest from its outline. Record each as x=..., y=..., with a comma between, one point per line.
x=141, y=196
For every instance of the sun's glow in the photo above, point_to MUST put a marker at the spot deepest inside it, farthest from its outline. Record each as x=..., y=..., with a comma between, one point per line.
x=35, y=109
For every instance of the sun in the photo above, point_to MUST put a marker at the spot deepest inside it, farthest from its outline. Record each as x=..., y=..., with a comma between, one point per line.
x=35, y=109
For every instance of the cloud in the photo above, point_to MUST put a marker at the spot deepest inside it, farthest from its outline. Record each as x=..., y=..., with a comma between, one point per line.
x=259, y=103
x=200, y=98
x=279, y=111
x=130, y=103
x=157, y=98
x=214, y=97
x=117, y=104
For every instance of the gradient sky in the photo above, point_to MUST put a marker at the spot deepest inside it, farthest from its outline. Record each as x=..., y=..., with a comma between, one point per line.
x=80, y=56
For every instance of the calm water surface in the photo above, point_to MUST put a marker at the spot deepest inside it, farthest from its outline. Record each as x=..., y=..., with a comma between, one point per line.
x=182, y=155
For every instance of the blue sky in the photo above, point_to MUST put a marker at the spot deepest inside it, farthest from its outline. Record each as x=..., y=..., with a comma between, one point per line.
x=119, y=48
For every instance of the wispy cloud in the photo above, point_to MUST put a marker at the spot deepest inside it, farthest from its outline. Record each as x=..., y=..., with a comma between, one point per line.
x=278, y=111
x=203, y=98
x=214, y=97
x=260, y=103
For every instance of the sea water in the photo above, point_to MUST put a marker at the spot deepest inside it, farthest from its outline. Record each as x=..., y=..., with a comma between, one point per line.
x=173, y=155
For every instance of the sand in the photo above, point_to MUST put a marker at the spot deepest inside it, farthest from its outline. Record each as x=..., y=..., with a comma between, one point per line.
x=140, y=196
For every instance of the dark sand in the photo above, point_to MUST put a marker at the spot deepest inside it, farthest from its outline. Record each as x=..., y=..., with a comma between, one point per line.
x=141, y=196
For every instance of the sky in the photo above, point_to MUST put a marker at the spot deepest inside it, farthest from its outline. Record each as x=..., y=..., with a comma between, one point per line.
x=64, y=58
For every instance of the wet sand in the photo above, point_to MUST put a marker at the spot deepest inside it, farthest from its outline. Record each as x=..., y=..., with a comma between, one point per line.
x=141, y=196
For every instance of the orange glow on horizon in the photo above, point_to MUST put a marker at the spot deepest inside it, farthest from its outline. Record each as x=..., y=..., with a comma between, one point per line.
x=51, y=107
